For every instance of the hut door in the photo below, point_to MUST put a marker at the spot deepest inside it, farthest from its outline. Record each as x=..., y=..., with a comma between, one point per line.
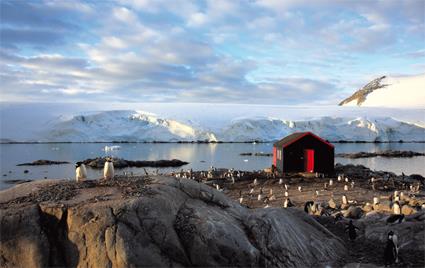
x=309, y=160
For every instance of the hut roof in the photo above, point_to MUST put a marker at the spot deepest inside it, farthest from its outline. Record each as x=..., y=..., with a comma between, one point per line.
x=296, y=136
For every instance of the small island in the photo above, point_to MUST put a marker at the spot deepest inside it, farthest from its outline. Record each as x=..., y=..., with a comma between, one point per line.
x=388, y=153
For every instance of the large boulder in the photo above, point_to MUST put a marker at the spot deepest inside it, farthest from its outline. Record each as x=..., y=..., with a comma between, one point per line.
x=411, y=233
x=353, y=212
x=169, y=223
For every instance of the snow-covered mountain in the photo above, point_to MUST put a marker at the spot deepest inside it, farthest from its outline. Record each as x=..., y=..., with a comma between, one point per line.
x=387, y=91
x=140, y=126
x=121, y=126
x=334, y=129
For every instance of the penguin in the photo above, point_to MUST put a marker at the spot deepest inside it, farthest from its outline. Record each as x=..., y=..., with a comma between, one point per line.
x=339, y=178
x=344, y=200
x=395, y=241
x=396, y=208
x=80, y=172
x=286, y=187
x=317, y=193
x=352, y=234
x=352, y=184
x=346, y=179
x=399, y=218
x=233, y=180
x=251, y=191
x=346, y=187
x=240, y=197
x=375, y=200
x=280, y=181
x=390, y=253
x=308, y=206
x=396, y=195
x=286, y=194
x=331, y=182
x=287, y=203
x=260, y=195
x=266, y=200
x=255, y=182
x=300, y=189
x=108, y=170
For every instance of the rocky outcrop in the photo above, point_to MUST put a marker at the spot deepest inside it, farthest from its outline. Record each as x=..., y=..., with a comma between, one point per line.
x=256, y=154
x=162, y=222
x=387, y=153
x=43, y=162
x=361, y=172
x=99, y=162
x=361, y=94
x=372, y=232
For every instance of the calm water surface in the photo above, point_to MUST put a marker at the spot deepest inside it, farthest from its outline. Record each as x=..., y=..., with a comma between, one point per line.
x=199, y=156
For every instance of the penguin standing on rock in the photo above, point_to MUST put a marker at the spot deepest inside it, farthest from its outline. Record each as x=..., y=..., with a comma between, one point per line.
x=287, y=203
x=80, y=172
x=352, y=234
x=260, y=195
x=344, y=200
x=240, y=197
x=391, y=252
x=308, y=207
x=396, y=208
x=108, y=169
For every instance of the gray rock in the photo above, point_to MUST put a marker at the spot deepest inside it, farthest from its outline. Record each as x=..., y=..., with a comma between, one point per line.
x=174, y=223
x=353, y=212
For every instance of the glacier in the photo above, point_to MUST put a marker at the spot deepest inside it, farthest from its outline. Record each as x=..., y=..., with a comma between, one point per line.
x=139, y=126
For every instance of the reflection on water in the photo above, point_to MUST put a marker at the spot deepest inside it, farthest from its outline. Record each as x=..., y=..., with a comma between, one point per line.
x=200, y=157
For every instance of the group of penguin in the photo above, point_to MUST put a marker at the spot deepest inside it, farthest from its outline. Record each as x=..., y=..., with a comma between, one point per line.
x=81, y=171
x=391, y=248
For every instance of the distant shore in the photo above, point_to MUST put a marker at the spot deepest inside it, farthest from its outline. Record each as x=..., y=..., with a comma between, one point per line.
x=186, y=142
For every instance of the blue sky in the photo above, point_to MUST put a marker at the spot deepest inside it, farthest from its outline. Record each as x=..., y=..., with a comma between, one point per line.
x=254, y=51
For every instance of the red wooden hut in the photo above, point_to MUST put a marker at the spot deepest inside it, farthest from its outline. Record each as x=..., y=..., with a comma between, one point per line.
x=303, y=152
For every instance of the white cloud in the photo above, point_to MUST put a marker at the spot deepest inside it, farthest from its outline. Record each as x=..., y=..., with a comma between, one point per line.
x=230, y=51
x=125, y=15
x=197, y=19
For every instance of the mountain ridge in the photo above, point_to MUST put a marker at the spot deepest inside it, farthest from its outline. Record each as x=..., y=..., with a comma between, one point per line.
x=137, y=126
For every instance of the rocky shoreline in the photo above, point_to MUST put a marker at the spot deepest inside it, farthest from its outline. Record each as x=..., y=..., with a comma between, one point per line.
x=255, y=154
x=181, y=219
x=99, y=162
x=43, y=162
x=388, y=153
x=170, y=223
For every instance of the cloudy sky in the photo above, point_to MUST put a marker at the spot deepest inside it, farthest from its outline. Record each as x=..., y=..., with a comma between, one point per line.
x=253, y=51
